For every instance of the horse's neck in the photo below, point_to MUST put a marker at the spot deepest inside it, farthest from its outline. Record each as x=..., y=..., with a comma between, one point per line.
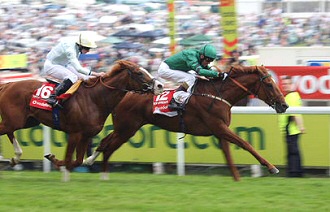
x=225, y=90
x=106, y=95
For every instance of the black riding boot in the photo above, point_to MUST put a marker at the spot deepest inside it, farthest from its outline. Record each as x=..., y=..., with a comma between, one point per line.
x=173, y=105
x=60, y=89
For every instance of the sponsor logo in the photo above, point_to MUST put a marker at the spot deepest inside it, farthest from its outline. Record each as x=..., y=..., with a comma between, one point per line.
x=309, y=84
x=249, y=133
x=41, y=103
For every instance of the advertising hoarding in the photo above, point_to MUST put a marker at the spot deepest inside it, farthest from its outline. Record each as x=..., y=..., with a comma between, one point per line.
x=151, y=144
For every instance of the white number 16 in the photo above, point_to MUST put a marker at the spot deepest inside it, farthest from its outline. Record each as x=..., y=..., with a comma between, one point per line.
x=44, y=91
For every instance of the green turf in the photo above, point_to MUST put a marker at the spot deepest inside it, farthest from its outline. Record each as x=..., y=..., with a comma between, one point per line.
x=37, y=191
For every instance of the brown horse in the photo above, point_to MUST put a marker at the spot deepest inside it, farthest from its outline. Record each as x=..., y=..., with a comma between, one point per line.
x=83, y=115
x=207, y=113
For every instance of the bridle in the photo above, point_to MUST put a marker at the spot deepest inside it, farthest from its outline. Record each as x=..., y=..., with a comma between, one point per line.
x=269, y=100
x=146, y=86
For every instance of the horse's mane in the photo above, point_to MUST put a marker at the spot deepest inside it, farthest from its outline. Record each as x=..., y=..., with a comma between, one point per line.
x=118, y=66
x=239, y=69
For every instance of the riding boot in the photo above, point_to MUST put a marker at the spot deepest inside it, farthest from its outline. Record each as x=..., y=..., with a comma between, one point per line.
x=60, y=89
x=173, y=105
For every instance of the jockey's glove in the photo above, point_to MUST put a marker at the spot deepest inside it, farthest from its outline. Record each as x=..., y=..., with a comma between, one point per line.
x=222, y=75
x=207, y=72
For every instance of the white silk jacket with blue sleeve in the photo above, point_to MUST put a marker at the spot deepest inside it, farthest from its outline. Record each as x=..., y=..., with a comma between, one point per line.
x=67, y=53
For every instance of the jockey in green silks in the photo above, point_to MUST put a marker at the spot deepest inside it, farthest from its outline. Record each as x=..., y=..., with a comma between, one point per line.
x=178, y=67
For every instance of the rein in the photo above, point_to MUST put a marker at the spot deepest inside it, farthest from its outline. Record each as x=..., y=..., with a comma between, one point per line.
x=105, y=85
x=215, y=97
x=239, y=85
x=111, y=87
x=262, y=78
x=147, y=84
x=247, y=90
x=242, y=86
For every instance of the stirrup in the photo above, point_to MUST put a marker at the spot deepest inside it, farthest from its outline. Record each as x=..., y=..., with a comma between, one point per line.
x=57, y=104
x=54, y=103
x=173, y=105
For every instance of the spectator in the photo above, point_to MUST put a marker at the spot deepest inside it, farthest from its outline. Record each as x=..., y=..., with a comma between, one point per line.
x=234, y=60
x=41, y=26
x=292, y=126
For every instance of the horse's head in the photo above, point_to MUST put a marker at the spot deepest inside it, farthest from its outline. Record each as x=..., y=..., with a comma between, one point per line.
x=264, y=87
x=140, y=80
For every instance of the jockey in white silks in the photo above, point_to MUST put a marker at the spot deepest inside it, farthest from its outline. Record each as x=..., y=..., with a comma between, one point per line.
x=62, y=63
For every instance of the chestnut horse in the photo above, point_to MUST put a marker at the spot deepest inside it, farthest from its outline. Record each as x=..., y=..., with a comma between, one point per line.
x=83, y=115
x=207, y=113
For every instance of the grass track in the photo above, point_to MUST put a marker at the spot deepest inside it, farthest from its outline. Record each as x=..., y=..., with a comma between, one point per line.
x=37, y=191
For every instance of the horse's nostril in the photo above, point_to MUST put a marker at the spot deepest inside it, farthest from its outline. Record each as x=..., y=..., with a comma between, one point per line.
x=285, y=107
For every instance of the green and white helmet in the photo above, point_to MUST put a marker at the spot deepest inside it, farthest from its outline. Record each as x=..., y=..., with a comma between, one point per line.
x=209, y=51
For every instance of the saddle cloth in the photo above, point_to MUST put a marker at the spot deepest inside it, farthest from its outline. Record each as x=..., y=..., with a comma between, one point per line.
x=40, y=96
x=160, y=104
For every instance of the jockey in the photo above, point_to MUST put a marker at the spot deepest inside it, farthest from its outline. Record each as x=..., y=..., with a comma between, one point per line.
x=62, y=63
x=177, y=69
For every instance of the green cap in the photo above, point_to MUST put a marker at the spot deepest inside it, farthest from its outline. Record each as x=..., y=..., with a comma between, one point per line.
x=208, y=50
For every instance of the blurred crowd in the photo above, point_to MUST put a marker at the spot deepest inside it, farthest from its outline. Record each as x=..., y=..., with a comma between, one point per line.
x=33, y=29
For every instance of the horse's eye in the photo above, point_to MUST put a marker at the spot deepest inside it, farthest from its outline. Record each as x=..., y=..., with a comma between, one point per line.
x=138, y=73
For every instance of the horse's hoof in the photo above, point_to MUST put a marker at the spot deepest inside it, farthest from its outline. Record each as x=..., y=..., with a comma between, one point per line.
x=88, y=162
x=13, y=162
x=50, y=157
x=104, y=176
x=274, y=170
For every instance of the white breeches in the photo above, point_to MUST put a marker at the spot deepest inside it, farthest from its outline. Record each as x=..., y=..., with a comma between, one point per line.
x=176, y=76
x=61, y=72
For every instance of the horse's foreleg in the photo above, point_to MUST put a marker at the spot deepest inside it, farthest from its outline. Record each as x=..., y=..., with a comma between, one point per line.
x=81, y=149
x=57, y=163
x=74, y=139
x=116, y=142
x=91, y=159
x=102, y=146
x=17, y=149
x=226, y=151
x=227, y=134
